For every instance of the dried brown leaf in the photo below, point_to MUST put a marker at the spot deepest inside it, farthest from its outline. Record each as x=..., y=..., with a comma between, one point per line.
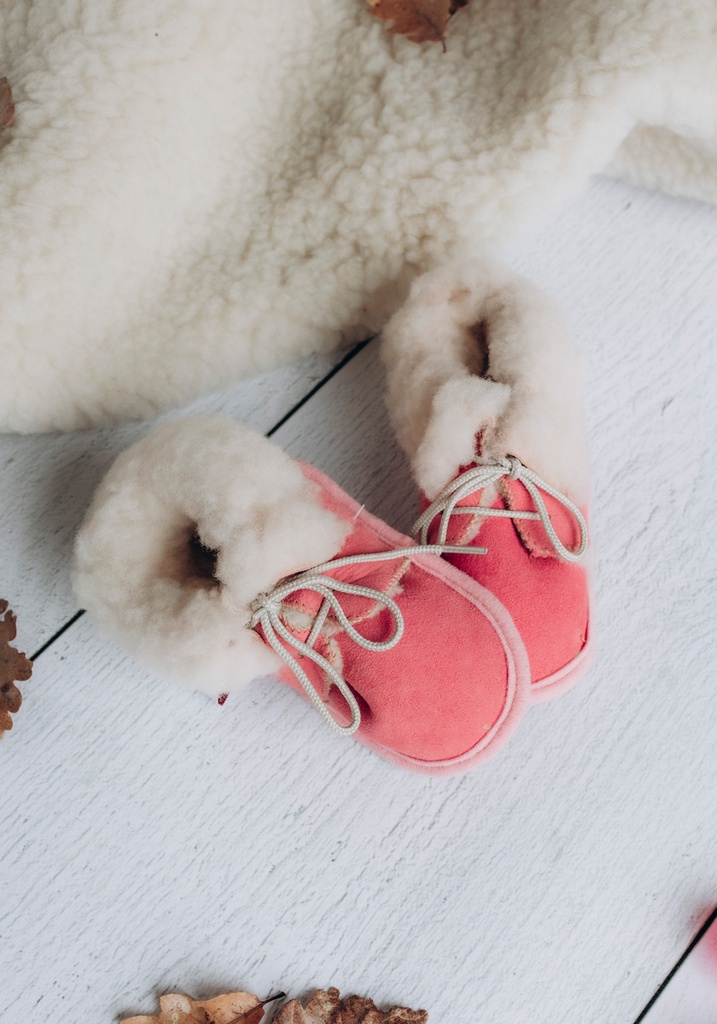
x=14, y=667
x=327, y=1007
x=237, y=1008
x=7, y=106
x=421, y=21
x=233, y=1008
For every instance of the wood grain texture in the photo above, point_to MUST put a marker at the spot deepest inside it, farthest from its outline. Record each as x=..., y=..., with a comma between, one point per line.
x=48, y=480
x=153, y=841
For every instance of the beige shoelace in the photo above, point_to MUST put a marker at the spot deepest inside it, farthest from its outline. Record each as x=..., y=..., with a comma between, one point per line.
x=267, y=612
x=476, y=479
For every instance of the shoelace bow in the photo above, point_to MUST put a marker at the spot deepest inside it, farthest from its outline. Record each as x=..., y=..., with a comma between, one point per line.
x=267, y=613
x=476, y=479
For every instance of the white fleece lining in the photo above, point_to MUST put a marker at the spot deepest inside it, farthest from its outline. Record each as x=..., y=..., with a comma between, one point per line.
x=245, y=500
x=478, y=350
x=195, y=192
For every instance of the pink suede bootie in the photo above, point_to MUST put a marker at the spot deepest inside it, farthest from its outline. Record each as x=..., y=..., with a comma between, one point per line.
x=484, y=393
x=217, y=559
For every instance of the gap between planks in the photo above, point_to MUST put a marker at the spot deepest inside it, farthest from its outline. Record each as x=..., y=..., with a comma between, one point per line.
x=702, y=931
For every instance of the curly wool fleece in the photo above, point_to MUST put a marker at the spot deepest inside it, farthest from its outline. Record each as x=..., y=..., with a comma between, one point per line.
x=192, y=193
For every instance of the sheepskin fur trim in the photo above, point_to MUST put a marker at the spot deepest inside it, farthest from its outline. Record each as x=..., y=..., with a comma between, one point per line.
x=477, y=350
x=188, y=526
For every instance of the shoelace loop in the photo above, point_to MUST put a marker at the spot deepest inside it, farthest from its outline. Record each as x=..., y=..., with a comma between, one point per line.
x=267, y=612
x=485, y=474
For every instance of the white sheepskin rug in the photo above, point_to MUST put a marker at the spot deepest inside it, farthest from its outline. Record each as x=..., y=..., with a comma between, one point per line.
x=193, y=192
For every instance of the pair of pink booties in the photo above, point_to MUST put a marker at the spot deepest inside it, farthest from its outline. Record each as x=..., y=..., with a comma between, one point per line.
x=216, y=559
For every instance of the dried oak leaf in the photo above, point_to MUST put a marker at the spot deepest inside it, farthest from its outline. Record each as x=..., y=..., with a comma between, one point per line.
x=233, y=1008
x=421, y=21
x=14, y=667
x=7, y=106
x=328, y=1008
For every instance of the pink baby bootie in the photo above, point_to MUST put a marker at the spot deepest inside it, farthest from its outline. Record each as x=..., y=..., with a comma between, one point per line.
x=216, y=559
x=485, y=396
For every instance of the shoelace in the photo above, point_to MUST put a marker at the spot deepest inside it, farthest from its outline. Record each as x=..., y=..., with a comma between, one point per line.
x=267, y=608
x=446, y=505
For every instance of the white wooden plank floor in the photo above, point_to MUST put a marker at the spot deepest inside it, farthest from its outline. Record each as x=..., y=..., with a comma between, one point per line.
x=153, y=841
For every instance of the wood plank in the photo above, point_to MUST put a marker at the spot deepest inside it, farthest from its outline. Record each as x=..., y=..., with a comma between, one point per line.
x=179, y=845
x=48, y=480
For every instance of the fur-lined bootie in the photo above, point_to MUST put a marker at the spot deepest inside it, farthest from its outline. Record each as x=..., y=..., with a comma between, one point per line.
x=484, y=394
x=217, y=559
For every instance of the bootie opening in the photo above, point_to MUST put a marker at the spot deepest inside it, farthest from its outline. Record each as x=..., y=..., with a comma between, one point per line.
x=477, y=351
x=190, y=562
